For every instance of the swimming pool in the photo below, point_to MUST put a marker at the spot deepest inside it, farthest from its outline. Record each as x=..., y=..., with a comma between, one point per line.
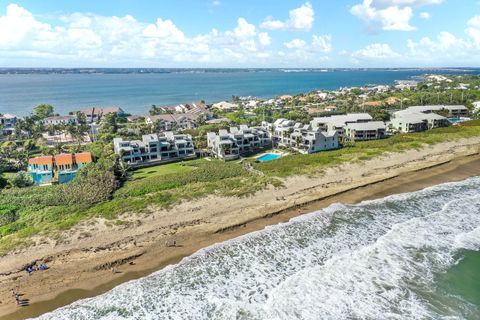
x=269, y=157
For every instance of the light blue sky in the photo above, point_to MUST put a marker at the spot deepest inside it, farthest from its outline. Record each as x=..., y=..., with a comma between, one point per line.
x=232, y=33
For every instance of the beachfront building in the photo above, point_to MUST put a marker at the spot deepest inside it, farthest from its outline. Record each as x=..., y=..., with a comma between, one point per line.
x=223, y=145
x=363, y=131
x=302, y=138
x=409, y=123
x=166, y=147
x=454, y=111
x=421, y=118
x=338, y=122
x=61, y=168
x=7, y=124
x=60, y=120
x=240, y=140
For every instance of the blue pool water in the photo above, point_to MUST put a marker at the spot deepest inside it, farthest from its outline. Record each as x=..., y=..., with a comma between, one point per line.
x=269, y=157
x=456, y=120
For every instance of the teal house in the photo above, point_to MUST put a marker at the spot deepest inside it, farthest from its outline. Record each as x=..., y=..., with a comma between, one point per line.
x=61, y=168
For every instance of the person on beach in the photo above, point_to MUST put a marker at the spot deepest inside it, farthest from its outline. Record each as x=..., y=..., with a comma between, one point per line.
x=166, y=243
x=17, y=299
x=174, y=243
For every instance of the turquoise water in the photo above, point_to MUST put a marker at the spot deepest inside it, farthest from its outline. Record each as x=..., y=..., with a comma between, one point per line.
x=269, y=157
x=19, y=93
x=406, y=256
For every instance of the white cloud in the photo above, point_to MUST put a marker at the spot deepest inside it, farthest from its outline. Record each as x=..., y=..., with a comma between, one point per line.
x=322, y=43
x=216, y=3
x=389, y=14
x=375, y=51
x=319, y=44
x=473, y=29
x=264, y=39
x=446, y=44
x=425, y=15
x=295, y=44
x=402, y=3
x=81, y=38
x=300, y=19
x=18, y=25
x=390, y=18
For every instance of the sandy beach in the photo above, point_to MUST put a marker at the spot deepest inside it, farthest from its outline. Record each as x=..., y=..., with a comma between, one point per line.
x=81, y=260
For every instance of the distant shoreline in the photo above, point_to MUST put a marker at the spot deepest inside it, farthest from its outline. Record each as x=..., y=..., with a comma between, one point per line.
x=140, y=70
x=223, y=219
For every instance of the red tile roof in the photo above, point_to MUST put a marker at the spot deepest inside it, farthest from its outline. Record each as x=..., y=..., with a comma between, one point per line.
x=64, y=158
x=84, y=157
x=43, y=160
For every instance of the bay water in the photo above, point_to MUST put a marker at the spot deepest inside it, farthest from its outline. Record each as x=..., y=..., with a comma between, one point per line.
x=136, y=92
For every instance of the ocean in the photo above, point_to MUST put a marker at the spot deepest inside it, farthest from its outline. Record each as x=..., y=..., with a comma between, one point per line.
x=136, y=92
x=407, y=256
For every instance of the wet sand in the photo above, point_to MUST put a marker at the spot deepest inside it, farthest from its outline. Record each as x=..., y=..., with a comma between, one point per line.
x=155, y=256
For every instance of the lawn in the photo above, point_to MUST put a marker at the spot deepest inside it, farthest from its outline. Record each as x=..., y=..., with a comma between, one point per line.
x=160, y=170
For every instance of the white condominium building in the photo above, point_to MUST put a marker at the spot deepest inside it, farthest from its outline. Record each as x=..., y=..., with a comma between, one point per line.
x=303, y=138
x=240, y=140
x=153, y=148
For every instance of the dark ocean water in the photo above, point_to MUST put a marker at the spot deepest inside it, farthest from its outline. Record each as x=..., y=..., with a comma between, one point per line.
x=136, y=92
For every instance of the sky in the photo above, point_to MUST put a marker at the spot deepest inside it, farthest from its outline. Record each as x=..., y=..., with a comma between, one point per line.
x=238, y=34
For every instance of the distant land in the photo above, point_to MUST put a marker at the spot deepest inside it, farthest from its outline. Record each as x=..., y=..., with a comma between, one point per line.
x=208, y=70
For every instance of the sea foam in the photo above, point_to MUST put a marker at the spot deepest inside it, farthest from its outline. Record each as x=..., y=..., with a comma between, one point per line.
x=374, y=260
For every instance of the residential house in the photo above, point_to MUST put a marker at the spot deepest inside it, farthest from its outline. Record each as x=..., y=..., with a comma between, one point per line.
x=362, y=131
x=197, y=108
x=134, y=118
x=58, y=120
x=96, y=114
x=218, y=121
x=61, y=168
x=7, y=124
x=155, y=148
x=41, y=169
x=172, y=122
x=225, y=106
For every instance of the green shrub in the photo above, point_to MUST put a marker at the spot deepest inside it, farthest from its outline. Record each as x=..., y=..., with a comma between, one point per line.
x=7, y=214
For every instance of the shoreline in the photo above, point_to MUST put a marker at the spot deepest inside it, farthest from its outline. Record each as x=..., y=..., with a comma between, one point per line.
x=148, y=253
